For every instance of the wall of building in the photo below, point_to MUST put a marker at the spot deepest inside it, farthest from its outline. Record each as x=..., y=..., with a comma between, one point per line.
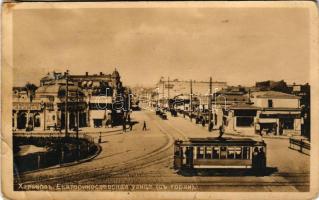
x=277, y=103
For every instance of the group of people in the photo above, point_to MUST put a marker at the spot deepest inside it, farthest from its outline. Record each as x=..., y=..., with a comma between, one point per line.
x=131, y=126
x=259, y=161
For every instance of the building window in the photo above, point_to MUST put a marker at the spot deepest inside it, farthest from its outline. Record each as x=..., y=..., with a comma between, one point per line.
x=270, y=103
x=53, y=117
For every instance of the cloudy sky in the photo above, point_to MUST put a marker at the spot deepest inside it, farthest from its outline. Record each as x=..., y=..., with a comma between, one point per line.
x=236, y=45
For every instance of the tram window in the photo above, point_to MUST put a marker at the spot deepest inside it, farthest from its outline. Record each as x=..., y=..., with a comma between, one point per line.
x=230, y=153
x=234, y=152
x=223, y=152
x=238, y=152
x=200, y=152
x=208, y=152
x=246, y=152
x=215, y=152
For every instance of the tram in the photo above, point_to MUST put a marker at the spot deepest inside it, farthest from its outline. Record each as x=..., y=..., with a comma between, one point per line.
x=220, y=153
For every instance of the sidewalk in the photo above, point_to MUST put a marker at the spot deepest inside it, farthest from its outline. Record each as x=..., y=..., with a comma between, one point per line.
x=240, y=133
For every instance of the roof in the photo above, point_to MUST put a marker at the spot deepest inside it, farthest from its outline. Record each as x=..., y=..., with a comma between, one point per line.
x=273, y=94
x=222, y=141
x=243, y=107
x=48, y=89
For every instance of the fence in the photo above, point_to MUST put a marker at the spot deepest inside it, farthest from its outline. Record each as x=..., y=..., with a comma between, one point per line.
x=301, y=145
x=60, y=150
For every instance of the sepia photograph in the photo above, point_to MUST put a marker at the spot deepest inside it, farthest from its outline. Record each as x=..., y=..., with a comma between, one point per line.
x=180, y=97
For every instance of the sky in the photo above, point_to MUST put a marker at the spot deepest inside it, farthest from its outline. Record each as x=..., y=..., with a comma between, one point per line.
x=236, y=45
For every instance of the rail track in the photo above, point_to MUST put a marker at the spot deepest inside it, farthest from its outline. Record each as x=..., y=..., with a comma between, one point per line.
x=159, y=155
x=132, y=171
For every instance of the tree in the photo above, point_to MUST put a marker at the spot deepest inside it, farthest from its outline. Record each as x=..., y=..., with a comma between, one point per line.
x=31, y=88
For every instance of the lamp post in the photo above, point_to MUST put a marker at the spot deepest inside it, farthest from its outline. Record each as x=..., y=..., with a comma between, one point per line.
x=210, y=105
x=66, y=125
x=191, y=100
x=43, y=106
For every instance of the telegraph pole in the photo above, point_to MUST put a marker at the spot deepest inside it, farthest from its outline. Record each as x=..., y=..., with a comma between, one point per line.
x=66, y=125
x=191, y=100
x=168, y=92
x=163, y=92
x=210, y=104
x=78, y=125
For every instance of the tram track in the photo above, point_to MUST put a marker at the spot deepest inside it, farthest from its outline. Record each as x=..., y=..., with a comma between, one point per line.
x=140, y=161
x=132, y=171
x=161, y=157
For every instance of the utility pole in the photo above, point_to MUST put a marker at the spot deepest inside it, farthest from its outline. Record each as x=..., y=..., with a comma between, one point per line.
x=66, y=125
x=163, y=93
x=191, y=100
x=168, y=92
x=77, y=125
x=210, y=104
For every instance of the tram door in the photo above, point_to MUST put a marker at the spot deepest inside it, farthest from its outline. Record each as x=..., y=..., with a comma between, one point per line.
x=189, y=156
x=178, y=157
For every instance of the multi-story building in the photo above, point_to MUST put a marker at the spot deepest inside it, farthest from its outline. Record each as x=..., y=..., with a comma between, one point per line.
x=93, y=100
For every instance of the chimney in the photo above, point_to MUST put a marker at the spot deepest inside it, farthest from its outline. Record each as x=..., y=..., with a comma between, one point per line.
x=86, y=73
x=101, y=73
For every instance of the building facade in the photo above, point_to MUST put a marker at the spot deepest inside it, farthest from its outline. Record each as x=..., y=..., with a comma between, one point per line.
x=92, y=101
x=268, y=112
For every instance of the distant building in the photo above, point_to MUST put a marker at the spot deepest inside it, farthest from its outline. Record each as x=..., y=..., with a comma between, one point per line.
x=173, y=89
x=280, y=86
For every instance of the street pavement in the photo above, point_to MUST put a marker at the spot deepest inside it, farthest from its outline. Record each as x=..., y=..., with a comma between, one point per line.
x=145, y=158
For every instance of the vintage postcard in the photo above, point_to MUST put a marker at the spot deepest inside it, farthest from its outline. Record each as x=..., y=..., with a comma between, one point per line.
x=159, y=100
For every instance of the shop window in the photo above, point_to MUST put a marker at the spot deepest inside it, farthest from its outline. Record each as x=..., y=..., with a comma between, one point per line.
x=270, y=103
x=288, y=123
x=244, y=121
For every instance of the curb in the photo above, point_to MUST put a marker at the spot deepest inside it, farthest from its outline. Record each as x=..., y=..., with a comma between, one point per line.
x=99, y=149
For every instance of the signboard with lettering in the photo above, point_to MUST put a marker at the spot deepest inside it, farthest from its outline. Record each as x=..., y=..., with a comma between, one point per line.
x=26, y=106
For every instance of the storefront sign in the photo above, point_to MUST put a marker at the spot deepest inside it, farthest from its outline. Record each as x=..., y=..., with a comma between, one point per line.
x=26, y=106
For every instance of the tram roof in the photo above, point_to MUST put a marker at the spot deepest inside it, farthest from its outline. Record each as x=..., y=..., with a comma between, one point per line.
x=224, y=140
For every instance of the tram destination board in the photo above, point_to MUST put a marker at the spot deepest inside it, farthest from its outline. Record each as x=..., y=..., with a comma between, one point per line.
x=159, y=100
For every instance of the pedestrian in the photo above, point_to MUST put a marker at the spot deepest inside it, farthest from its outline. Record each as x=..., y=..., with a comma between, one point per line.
x=203, y=122
x=255, y=161
x=124, y=127
x=144, y=126
x=221, y=131
x=131, y=126
x=262, y=161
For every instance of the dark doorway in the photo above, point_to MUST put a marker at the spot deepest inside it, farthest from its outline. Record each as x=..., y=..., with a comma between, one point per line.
x=22, y=120
x=97, y=123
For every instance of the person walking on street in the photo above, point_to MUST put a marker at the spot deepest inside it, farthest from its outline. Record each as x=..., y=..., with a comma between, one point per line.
x=144, y=126
x=131, y=126
x=221, y=131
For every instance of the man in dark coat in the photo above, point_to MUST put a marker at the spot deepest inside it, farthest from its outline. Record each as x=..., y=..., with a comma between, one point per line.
x=144, y=126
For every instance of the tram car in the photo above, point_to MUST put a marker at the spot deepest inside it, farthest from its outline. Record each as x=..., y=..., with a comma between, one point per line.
x=220, y=153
